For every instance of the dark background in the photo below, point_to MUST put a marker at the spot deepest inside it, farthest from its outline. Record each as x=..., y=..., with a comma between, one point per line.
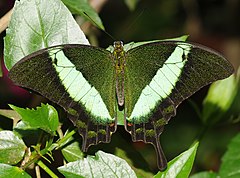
x=213, y=23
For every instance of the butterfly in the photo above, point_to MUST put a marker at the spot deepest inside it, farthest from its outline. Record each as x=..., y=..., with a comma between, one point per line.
x=148, y=82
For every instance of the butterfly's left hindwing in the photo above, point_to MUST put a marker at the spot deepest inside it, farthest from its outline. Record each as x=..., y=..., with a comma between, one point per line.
x=158, y=77
x=79, y=78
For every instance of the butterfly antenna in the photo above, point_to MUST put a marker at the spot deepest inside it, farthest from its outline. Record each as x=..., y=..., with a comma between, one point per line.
x=101, y=28
x=134, y=21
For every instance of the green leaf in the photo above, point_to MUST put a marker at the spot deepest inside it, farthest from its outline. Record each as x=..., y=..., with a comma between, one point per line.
x=134, y=45
x=82, y=7
x=102, y=165
x=120, y=114
x=50, y=23
x=180, y=166
x=231, y=160
x=30, y=135
x=12, y=148
x=131, y=4
x=44, y=117
x=220, y=98
x=12, y=171
x=71, y=150
x=234, y=111
x=21, y=125
x=205, y=175
x=124, y=155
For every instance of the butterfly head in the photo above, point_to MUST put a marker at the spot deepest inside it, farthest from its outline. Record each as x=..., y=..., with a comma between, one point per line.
x=118, y=45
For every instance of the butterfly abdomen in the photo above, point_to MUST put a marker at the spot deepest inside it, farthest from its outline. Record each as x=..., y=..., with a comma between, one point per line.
x=119, y=58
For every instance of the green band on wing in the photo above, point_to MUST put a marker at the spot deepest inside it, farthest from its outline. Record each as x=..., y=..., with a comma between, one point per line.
x=161, y=85
x=78, y=87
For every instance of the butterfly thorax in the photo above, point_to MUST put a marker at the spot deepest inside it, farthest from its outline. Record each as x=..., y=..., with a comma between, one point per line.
x=119, y=58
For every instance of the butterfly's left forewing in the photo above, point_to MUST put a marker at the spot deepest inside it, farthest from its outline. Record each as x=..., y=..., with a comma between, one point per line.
x=158, y=77
x=79, y=78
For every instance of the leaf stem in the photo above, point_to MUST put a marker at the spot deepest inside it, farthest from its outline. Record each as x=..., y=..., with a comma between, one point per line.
x=65, y=138
x=37, y=170
x=36, y=155
x=4, y=21
x=202, y=132
x=46, y=169
x=196, y=108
